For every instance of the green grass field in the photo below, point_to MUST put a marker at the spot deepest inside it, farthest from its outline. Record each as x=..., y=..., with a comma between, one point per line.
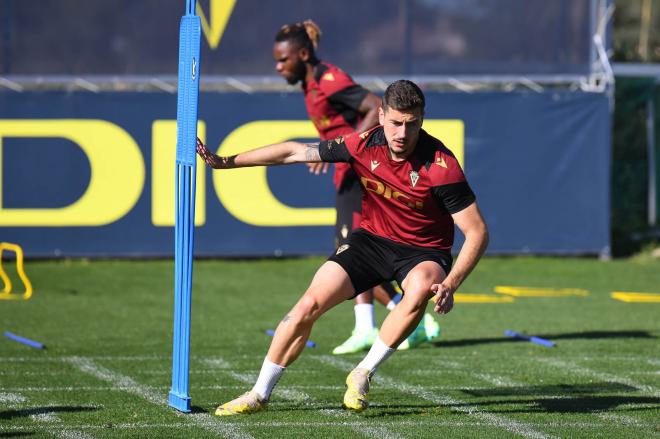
x=106, y=371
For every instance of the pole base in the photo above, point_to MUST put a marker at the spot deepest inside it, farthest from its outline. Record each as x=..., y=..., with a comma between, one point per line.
x=179, y=402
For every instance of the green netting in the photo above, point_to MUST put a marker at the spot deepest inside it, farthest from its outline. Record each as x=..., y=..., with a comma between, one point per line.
x=630, y=228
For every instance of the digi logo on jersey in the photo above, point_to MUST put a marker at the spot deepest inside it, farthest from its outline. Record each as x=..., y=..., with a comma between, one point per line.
x=388, y=193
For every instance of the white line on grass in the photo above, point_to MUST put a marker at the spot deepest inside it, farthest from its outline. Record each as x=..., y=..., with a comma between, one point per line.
x=57, y=359
x=610, y=358
x=620, y=419
x=42, y=417
x=237, y=387
x=306, y=399
x=573, y=367
x=67, y=433
x=332, y=423
x=455, y=404
x=166, y=388
x=499, y=381
x=506, y=382
x=639, y=406
x=158, y=372
x=243, y=377
x=203, y=420
x=124, y=382
x=448, y=363
x=11, y=398
x=217, y=363
x=496, y=380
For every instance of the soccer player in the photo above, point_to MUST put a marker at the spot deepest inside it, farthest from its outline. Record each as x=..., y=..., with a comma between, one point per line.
x=338, y=106
x=415, y=191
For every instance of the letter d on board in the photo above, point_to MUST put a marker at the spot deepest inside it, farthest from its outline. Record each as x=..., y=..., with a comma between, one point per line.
x=117, y=172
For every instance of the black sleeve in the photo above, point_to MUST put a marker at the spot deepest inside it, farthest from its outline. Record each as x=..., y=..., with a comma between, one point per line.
x=454, y=197
x=334, y=150
x=350, y=97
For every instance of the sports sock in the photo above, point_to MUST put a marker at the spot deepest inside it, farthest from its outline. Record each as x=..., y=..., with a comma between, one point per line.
x=269, y=375
x=364, y=317
x=394, y=301
x=378, y=353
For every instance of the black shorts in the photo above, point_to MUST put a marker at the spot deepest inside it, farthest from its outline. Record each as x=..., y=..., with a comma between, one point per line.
x=349, y=208
x=371, y=260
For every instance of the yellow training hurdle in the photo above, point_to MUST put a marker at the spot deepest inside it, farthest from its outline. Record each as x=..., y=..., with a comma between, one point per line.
x=6, y=292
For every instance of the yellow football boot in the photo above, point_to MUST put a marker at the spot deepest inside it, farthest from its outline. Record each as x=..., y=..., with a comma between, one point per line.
x=357, y=390
x=245, y=404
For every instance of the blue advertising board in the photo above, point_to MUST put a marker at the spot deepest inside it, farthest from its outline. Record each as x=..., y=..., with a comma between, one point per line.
x=91, y=174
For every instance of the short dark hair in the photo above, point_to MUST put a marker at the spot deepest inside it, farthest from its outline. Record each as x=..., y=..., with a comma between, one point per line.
x=403, y=95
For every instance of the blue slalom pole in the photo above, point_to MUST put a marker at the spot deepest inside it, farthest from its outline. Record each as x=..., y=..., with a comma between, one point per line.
x=186, y=120
x=533, y=339
x=27, y=341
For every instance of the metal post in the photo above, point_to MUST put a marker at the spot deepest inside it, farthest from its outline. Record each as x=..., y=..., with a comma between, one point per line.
x=594, y=18
x=650, y=142
x=407, y=37
x=6, y=37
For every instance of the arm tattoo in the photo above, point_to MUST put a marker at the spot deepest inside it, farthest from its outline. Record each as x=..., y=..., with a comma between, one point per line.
x=286, y=318
x=312, y=153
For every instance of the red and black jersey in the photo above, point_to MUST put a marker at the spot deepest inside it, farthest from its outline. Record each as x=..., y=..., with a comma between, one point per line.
x=409, y=201
x=333, y=100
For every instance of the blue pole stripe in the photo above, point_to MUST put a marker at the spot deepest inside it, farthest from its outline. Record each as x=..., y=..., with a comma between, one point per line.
x=187, y=101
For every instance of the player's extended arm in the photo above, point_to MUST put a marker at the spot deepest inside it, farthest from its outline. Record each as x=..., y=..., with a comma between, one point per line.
x=275, y=154
x=473, y=226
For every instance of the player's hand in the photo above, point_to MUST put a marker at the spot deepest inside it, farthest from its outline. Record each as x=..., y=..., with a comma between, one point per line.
x=318, y=168
x=213, y=160
x=206, y=155
x=444, y=298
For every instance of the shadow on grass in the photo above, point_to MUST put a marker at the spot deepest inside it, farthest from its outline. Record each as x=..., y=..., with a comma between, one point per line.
x=17, y=433
x=551, y=390
x=587, y=335
x=564, y=398
x=22, y=413
x=581, y=404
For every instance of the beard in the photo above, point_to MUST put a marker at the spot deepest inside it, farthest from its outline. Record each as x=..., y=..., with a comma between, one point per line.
x=298, y=74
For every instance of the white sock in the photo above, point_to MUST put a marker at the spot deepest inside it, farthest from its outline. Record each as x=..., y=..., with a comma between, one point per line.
x=269, y=376
x=378, y=353
x=364, y=317
x=394, y=302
